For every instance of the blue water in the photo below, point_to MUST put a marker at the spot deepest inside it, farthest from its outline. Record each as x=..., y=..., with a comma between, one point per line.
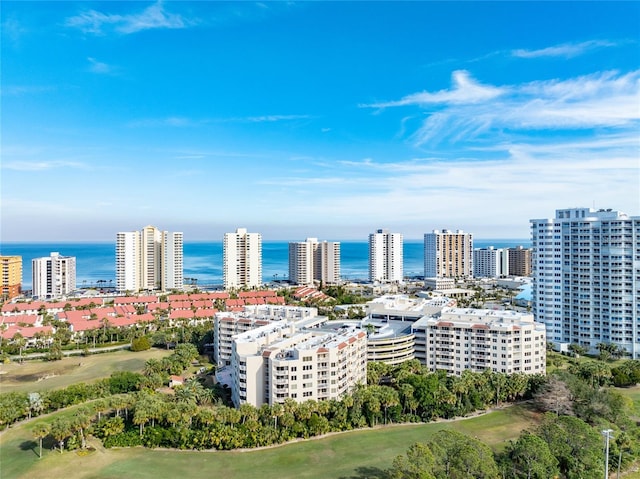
x=203, y=260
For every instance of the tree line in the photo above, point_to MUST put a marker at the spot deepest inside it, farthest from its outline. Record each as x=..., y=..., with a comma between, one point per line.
x=195, y=417
x=578, y=404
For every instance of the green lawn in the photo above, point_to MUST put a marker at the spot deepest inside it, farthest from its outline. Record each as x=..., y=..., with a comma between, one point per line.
x=38, y=375
x=357, y=454
x=633, y=394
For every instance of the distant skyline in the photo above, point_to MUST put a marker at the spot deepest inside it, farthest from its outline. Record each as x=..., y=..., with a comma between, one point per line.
x=314, y=119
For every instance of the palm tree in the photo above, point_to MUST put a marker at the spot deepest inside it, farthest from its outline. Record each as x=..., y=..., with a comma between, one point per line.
x=60, y=430
x=80, y=422
x=19, y=341
x=40, y=431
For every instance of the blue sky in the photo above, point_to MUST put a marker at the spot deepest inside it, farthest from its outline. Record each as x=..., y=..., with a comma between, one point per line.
x=324, y=119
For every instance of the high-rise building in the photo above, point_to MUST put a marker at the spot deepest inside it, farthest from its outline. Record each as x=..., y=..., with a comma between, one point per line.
x=311, y=261
x=53, y=276
x=172, y=264
x=242, y=259
x=448, y=254
x=490, y=262
x=586, y=278
x=149, y=260
x=11, y=279
x=519, y=261
x=386, y=256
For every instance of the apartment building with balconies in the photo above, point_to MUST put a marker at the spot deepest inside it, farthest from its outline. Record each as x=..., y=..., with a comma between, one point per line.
x=586, y=278
x=477, y=339
x=228, y=324
x=11, y=277
x=283, y=360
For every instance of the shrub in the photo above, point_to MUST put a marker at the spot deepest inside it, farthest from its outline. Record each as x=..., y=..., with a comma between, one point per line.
x=140, y=344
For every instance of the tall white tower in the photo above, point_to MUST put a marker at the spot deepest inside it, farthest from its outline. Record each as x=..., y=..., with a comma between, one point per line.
x=149, y=260
x=172, y=261
x=53, y=276
x=586, y=278
x=385, y=256
x=242, y=259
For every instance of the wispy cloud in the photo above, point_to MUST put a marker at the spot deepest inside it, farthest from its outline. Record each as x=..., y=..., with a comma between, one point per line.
x=99, y=67
x=566, y=50
x=152, y=17
x=177, y=121
x=16, y=90
x=600, y=100
x=172, y=121
x=42, y=165
x=465, y=90
x=272, y=118
x=13, y=30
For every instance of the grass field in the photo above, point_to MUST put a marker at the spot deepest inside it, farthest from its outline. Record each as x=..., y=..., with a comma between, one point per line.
x=38, y=375
x=357, y=454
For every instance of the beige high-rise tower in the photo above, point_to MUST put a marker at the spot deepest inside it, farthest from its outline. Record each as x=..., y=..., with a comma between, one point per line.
x=448, y=254
x=311, y=261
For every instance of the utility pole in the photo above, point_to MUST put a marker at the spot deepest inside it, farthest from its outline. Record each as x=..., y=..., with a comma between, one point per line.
x=607, y=436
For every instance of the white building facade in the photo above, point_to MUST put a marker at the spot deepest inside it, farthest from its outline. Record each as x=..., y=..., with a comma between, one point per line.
x=490, y=262
x=311, y=261
x=53, y=276
x=149, y=260
x=586, y=278
x=477, y=339
x=279, y=361
x=386, y=257
x=242, y=259
x=448, y=254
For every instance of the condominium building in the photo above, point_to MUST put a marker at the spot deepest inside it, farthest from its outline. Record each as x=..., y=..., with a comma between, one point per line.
x=490, y=262
x=53, y=276
x=448, y=254
x=586, y=278
x=477, y=339
x=11, y=278
x=281, y=360
x=385, y=257
x=172, y=261
x=519, y=261
x=242, y=259
x=311, y=261
x=149, y=260
x=228, y=324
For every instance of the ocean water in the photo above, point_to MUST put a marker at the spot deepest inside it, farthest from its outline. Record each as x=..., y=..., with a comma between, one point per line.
x=203, y=260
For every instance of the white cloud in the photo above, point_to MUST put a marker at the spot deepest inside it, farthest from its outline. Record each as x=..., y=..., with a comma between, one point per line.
x=566, y=50
x=16, y=90
x=151, y=17
x=466, y=113
x=41, y=165
x=465, y=90
x=272, y=118
x=173, y=121
x=99, y=67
